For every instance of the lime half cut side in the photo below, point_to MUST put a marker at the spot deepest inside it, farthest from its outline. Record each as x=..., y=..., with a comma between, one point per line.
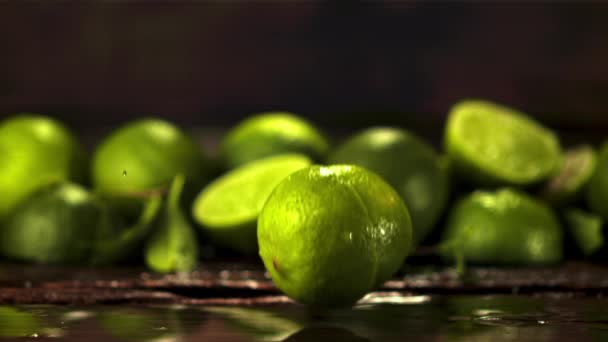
x=490, y=144
x=575, y=171
x=229, y=207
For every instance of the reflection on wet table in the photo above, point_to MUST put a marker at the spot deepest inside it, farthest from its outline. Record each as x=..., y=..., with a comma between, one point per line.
x=390, y=317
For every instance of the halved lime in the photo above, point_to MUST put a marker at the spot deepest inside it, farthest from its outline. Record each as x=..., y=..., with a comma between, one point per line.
x=35, y=150
x=406, y=162
x=330, y=234
x=586, y=228
x=506, y=227
x=575, y=172
x=271, y=133
x=228, y=207
x=597, y=189
x=490, y=144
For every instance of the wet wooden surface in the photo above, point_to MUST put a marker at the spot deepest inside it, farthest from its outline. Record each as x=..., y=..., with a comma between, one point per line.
x=246, y=283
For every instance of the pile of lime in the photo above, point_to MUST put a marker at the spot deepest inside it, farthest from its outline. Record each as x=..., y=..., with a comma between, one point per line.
x=330, y=223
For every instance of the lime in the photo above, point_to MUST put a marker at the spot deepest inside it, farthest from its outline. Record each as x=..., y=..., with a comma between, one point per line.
x=586, y=228
x=491, y=145
x=228, y=207
x=17, y=323
x=574, y=174
x=330, y=234
x=35, y=150
x=57, y=224
x=503, y=227
x=597, y=190
x=271, y=133
x=143, y=157
x=407, y=163
x=173, y=246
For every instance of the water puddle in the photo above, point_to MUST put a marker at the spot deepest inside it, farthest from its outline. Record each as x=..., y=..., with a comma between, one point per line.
x=387, y=316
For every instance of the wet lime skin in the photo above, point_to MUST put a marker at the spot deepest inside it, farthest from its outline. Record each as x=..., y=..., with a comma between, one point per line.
x=36, y=150
x=505, y=227
x=328, y=235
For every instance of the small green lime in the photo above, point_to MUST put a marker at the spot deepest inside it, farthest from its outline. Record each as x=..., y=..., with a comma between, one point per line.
x=407, y=163
x=228, y=208
x=597, y=190
x=146, y=155
x=491, y=145
x=506, y=227
x=586, y=228
x=271, y=133
x=574, y=174
x=328, y=235
x=57, y=224
x=35, y=150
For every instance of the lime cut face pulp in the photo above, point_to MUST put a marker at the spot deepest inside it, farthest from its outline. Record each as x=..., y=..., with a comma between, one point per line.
x=575, y=172
x=271, y=133
x=407, y=163
x=228, y=207
x=34, y=151
x=329, y=234
x=597, y=189
x=490, y=144
x=505, y=227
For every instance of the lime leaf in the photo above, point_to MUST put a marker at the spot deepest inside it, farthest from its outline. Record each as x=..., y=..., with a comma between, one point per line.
x=110, y=248
x=586, y=228
x=173, y=246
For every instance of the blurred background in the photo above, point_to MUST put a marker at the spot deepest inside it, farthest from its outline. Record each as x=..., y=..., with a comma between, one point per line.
x=342, y=64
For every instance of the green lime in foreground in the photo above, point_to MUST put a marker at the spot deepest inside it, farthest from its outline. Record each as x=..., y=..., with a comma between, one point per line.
x=597, y=190
x=228, y=207
x=575, y=172
x=407, y=163
x=271, y=133
x=35, y=150
x=506, y=227
x=58, y=224
x=491, y=145
x=143, y=157
x=328, y=235
x=586, y=229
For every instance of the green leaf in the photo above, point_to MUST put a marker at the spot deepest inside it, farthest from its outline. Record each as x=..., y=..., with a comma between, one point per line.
x=111, y=248
x=586, y=228
x=173, y=246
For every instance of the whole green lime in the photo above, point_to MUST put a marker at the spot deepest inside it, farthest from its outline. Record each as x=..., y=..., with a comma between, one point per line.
x=144, y=156
x=228, y=208
x=271, y=133
x=330, y=234
x=35, y=150
x=490, y=144
x=597, y=189
x=407, y=163
x=505, y=227
x=58, y=224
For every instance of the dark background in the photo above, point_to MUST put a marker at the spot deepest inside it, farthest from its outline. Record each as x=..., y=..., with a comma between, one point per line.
x=342, y=64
